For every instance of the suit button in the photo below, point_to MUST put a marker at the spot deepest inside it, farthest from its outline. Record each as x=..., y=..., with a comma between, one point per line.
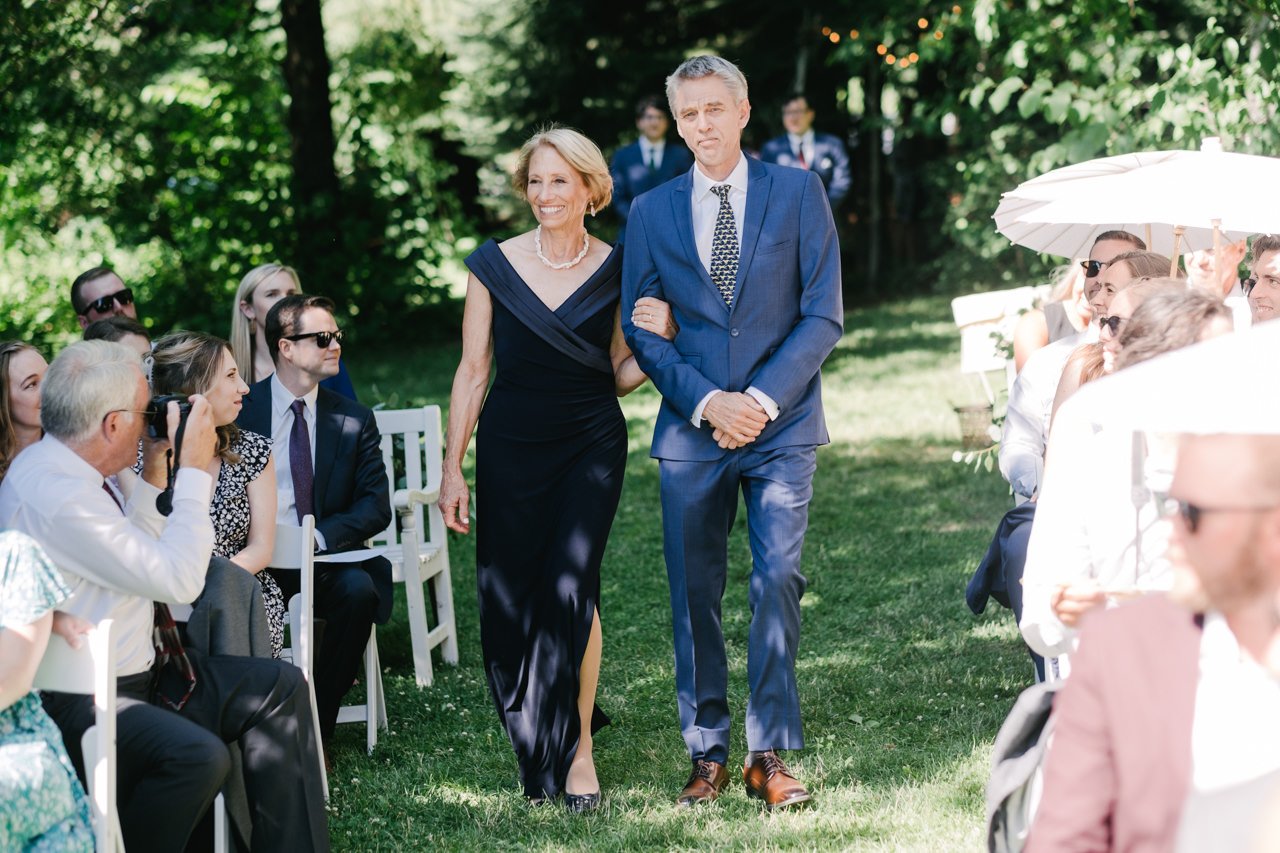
x=734, y=332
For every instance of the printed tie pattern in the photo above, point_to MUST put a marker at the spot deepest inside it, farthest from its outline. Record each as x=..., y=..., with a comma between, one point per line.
x=300, y=468
x=724, y=247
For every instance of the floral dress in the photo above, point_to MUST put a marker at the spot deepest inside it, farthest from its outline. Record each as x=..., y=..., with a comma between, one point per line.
x=229, y=510
x=42, y=806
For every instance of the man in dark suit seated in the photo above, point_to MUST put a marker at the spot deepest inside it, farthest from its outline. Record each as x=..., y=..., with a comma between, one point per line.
x=647, y=162
x=802, y=148
x=328, y=464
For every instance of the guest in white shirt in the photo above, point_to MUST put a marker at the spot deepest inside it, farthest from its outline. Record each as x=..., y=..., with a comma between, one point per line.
x=647, y=162
x=802, y=148
x=1263, y=286
x=126, y=561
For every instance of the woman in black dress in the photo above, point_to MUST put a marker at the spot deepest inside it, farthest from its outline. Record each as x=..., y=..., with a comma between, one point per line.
x=550, y=454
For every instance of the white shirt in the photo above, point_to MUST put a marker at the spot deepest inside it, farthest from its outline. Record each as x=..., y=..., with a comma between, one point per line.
x=706, y=207
x=116, y=563
x=803, y=143
x=652, y=151
x=281, y=429
x=1026, y=421
x=1241, y=316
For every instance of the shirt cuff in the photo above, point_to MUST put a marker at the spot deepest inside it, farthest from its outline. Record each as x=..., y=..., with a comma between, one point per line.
x=320, y=543
x=696, y=420
x=764, y=400
x=193, y=483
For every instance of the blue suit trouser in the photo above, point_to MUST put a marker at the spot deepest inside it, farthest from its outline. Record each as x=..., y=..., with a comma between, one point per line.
x=699, y=506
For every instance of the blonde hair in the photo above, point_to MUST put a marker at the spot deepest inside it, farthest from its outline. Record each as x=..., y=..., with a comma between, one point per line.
x=579, y=152
x=188, y=363
x=242, y=337
x=8, y=435
x=1143, y=264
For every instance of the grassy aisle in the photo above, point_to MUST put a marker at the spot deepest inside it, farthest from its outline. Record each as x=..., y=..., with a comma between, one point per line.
x=902, y=688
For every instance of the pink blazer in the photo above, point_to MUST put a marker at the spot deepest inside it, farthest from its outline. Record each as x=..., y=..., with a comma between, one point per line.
x=1119, y=767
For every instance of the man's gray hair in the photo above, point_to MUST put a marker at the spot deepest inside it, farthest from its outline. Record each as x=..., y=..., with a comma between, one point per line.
x=86, y=381
x=697, y=67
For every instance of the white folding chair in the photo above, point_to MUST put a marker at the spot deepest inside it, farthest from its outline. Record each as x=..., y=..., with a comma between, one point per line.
x=91, y=669
x=295, y=549
x=985, y=320
x=412, y=451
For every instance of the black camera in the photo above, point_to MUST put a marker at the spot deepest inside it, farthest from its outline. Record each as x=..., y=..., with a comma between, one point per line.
x=158, y=414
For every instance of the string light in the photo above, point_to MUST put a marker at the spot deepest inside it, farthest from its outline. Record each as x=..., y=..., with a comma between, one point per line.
x=923, y=23
x=955, y=9
x=853, y=34
x=881, y=49
x=903, y=62
x=835, y=38
x=826, y=31
x=891, y=59
x=937, y=34
x=913, y=56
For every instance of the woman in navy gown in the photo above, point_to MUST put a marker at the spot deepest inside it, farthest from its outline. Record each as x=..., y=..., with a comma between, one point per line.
x=550, y=453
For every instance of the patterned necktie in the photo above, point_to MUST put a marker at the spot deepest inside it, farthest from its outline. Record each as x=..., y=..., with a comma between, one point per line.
x=300, y=462
x=804, y=164
x=724, y=247
x=164, y=634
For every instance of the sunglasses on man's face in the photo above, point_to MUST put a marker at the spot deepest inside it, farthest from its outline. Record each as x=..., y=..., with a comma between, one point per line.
x=1113, y=323
x=103, y=304
x=1092, y=268
x=323, y=339
x=1192, y=513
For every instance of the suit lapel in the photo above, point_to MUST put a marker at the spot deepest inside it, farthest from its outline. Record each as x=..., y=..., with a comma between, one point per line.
x=255, y=416
x=329, y=424
x=682, y=216
x=758, y=184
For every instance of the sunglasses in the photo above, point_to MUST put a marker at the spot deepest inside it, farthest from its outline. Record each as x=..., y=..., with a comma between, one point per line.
x=323, y=339
x=1092, y=268
x=103, y=304
x=1192, y=513
x=1113, y=323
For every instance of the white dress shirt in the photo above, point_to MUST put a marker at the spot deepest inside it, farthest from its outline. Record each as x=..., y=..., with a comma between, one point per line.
x=281, y=429
x=116, y=563
x=1241, y=315
x=804, y=144
x=706, y=207
x=652, y=152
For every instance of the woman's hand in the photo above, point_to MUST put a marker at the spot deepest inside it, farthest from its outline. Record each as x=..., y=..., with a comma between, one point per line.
x=1072, y=600
x=454, y=503
x=70, y=628
x=654, y=315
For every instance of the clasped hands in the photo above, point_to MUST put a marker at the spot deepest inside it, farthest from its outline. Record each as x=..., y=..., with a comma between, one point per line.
x=738, y=418
x=1071, y=601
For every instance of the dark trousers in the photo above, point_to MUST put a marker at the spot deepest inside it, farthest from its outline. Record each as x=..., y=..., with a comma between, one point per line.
x=171, y=764
x=699, y=503
x=1015, y=561
x=346, y=599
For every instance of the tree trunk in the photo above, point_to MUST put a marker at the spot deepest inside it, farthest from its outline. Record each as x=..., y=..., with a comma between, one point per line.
x=315, y=182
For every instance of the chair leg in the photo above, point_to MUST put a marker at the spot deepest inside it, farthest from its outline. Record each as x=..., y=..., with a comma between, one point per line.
x=443, y=585
x=373, y=690
x=417, y=608
x=221, y=844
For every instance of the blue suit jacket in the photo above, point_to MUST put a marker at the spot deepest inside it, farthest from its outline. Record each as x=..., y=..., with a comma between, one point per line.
x=786, y=316
x=830, y=162
x=352, y=497
x=631, y=177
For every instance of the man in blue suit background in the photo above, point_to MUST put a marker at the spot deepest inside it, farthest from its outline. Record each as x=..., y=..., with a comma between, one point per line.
x=802, y=148
x=746, y=255
x=647, y=162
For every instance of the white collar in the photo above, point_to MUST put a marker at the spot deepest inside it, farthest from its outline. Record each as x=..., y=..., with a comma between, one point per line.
x=737, y=179
x=805, y=139
x=282, y=398
x=646, y=145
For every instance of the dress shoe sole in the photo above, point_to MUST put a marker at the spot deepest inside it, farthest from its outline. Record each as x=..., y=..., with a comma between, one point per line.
x=695, y=801
x=795, y=802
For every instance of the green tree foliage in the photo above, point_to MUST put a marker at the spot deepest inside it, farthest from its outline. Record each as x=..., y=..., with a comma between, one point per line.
x=152, y=136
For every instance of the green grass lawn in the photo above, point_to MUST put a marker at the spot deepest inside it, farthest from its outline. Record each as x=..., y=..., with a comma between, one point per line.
x=902, y=689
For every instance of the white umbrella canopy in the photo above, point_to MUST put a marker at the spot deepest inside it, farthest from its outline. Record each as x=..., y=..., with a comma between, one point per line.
x=1206, y=388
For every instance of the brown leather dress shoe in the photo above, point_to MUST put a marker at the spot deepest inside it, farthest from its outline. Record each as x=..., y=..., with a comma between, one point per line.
x=704, y=783
x=768, y=779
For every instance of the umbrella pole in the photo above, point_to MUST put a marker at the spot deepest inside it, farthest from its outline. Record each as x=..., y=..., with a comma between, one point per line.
x=1177, y=243
x=1217, y=240
x=1148, y=227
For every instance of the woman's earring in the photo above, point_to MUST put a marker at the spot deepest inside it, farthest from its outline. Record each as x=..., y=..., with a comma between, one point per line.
x=591, y=208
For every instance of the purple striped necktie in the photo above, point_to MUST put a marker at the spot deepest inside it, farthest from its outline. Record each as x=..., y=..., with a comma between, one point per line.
x=300, y=468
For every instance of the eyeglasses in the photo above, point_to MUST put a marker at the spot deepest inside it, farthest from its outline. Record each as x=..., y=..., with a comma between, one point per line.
x=1092, y=268
x=103, y=304
x=1191, y=513
x=323, y=339
x=1113, y=323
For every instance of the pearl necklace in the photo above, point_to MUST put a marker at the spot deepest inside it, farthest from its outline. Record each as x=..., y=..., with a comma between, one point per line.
x=537, y=245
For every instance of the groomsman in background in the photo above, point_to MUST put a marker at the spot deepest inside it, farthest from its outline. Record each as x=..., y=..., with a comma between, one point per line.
x=647, y=162
x=802, y=148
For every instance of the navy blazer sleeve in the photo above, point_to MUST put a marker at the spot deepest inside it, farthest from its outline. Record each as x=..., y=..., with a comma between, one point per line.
x=621, y=186
x=368, y=510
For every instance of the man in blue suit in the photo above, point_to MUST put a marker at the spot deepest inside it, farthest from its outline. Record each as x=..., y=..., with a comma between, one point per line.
x=647, y=162
x=746, y=255
x=328, y=464
x=802, y=148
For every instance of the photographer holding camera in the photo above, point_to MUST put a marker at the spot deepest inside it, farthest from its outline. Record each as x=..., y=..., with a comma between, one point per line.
x=125, y=561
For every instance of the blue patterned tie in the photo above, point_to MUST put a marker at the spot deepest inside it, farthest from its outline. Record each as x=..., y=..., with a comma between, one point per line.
x=724, y=247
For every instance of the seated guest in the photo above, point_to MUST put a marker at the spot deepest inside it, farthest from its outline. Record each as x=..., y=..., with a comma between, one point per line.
x=1167, y=724
x=1098, y=536
x=22, y=369
x=647, y=162
x=243, y=508
x=42, y=806
x=1263, y=286
x=1065, y=314
x=1086, y=362
x=328, y=464
x=122, y=330
x=98, y=293
x=123, y=559
x=262, y=287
